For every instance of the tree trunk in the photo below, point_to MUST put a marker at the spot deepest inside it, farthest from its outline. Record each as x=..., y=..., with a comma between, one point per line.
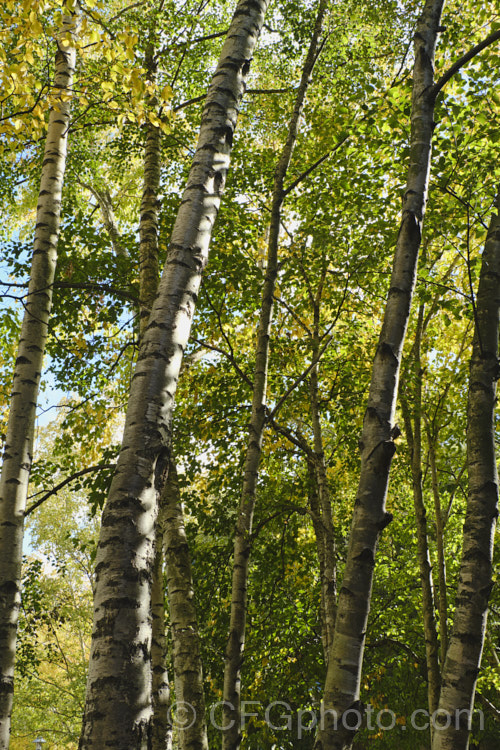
x=103, y=198
x=188, y=670
x=18, y=453
x=377, y=440
x=319, y=534
x=161, y=723
x=242, y=541
x=161, y=732
x=441, y=561
x=329, y=567
x=148, y=225
x=413, y=429
x=118, y=701
x=475, y=580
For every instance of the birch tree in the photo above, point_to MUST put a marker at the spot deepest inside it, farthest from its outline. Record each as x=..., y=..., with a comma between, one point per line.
x=18, y=452
x=161, y=731
x=413, y=429
x=379, y=430
x=377, y=444
x=243, y=532
x=463, y=658
x=118, y=702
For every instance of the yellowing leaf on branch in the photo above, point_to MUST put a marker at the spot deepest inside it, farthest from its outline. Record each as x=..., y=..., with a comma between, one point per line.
x=166, y=93
x=37, y=28
x=154, y=120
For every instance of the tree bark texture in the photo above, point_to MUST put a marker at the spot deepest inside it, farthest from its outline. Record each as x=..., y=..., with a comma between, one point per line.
x=377, y=439
x=413, y=428
x=149, y=210
x=188, y=670
x=118, y=701
x=161, y=723
x=161, y=733
x=242, y=541
x=463, y=658
x=18, y=452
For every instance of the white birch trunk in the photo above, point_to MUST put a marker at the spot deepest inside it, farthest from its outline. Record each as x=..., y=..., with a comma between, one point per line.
x=161, y=733
x=343, y=678
x=148, y=226
x=231, y=737
x=118, y=701
x=18, y=453
x=463, y=659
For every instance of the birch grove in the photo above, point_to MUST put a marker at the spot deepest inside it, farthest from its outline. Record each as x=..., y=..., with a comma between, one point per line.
x=202, y=447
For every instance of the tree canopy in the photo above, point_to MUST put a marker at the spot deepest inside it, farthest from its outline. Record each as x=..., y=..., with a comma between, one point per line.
x=134, y=105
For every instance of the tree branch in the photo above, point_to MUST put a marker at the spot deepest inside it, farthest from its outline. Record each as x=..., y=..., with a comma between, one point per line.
x=493, y=710
x=493, y=37
x=95, y=287
x=62, y=484
x=228, y=355
x=397, y=644
x=251, y=92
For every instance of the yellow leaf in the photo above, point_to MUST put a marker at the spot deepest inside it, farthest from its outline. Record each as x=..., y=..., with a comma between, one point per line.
x=166, y=93
x=154, y=120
